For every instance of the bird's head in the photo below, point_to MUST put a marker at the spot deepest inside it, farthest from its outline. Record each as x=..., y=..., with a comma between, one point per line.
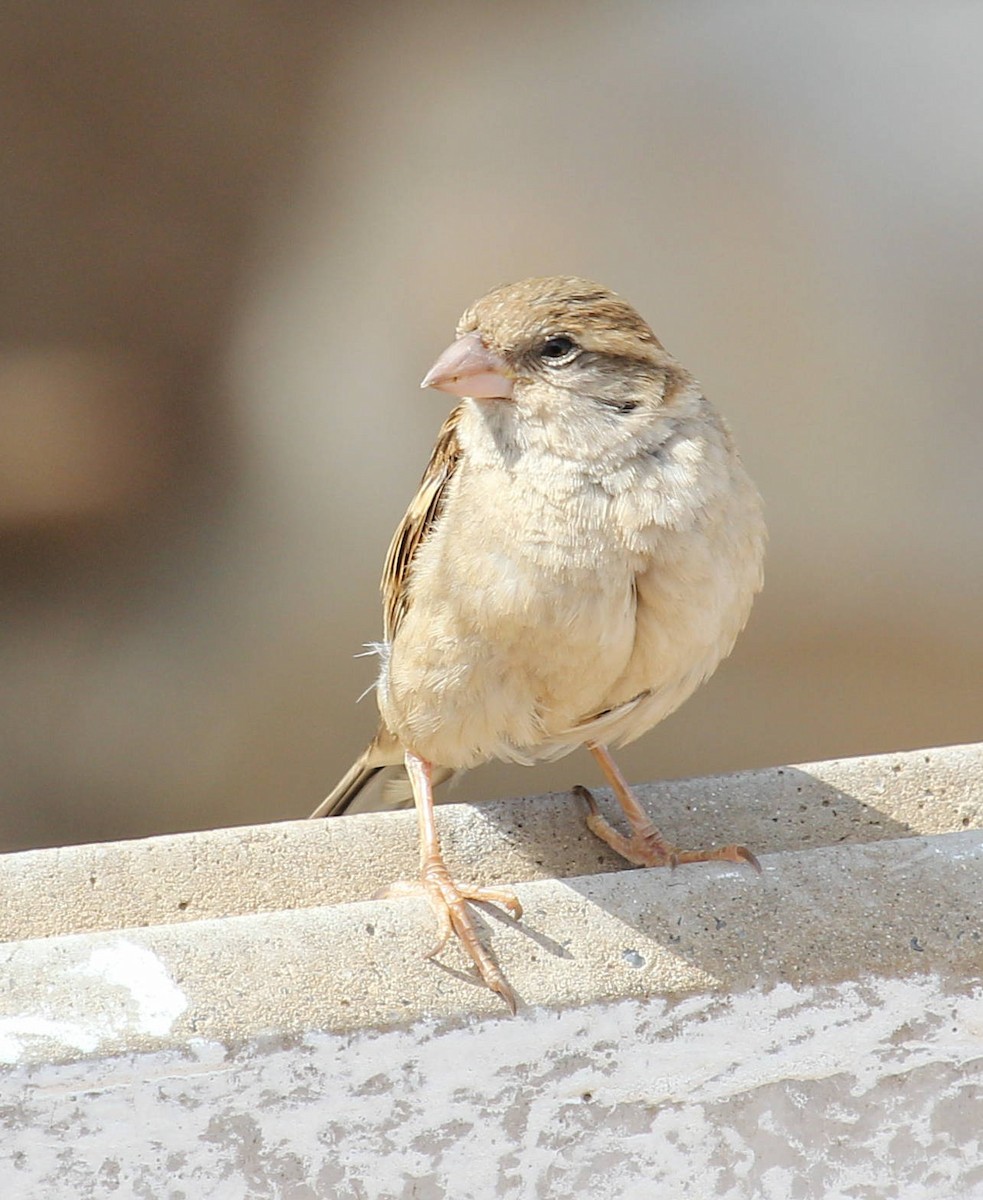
x=559, y=350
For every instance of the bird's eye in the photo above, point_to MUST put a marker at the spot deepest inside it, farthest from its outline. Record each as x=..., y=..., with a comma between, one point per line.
x=558, y=349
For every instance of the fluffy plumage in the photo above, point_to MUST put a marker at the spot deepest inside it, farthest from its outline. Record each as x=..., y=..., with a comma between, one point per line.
x=582, y=552
x=577, y=560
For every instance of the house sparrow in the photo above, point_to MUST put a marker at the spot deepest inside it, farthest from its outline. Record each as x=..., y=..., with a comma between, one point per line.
x=582, y=552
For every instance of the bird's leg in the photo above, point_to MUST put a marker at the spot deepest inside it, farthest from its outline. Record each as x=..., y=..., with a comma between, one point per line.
x=646, y=847
x=447, y=898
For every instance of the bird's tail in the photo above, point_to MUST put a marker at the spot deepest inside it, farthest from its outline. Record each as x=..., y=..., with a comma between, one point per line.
x=378, y=757
x=347, y=788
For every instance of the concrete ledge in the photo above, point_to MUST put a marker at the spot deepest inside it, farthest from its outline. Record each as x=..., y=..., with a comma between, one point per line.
x=820, y=917
x=813, y=1031
x=289, y=865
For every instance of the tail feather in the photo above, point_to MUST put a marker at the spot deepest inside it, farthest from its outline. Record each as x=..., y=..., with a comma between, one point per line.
x=347, y=794
x=346, y=791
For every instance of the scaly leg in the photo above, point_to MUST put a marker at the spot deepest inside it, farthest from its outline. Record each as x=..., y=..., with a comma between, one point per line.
x=646, y=847
x=447, y=898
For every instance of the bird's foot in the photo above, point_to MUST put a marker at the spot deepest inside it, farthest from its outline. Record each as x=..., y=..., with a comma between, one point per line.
x=648, y=848
x=448, y=900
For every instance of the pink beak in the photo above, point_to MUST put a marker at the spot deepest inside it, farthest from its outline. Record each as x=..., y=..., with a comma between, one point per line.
x=468, y=368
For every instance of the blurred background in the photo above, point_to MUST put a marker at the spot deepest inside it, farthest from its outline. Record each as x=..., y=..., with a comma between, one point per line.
x=234, y=235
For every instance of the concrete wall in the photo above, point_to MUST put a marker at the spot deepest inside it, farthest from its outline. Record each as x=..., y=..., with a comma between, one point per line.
x=224, y=1014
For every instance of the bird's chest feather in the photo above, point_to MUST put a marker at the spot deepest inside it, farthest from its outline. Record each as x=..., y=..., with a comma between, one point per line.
x=517, y=626
x=541, y=556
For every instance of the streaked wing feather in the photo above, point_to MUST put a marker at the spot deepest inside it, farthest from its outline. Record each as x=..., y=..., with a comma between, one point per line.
x=423, y=511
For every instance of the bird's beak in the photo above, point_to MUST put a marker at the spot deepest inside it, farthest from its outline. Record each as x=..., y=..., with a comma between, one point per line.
x=468, y=368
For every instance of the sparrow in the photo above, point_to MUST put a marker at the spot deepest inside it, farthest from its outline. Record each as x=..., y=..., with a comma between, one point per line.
x=583, y=550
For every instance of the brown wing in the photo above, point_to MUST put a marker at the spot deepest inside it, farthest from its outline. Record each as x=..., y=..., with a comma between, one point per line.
x=423, y=511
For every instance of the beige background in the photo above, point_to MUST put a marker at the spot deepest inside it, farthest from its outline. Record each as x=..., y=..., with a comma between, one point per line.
x=234, y=235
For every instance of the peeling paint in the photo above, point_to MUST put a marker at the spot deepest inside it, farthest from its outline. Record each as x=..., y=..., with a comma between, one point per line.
x=869, y=1087
x=157, y=1000
x=17, y=1032
x=96, y=995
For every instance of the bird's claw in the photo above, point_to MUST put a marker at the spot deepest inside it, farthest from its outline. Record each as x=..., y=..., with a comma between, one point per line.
x=449, y=902
x=649, y=848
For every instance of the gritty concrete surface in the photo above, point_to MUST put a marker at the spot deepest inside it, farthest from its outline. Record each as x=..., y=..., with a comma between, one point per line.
x=816, y=1031
x=294, y=864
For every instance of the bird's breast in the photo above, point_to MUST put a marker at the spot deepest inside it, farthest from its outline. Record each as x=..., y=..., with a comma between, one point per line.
x=518, y=624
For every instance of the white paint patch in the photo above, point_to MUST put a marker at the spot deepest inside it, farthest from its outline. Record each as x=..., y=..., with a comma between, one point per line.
x=16, y=1033
x=119, y=990
x=141, y=974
